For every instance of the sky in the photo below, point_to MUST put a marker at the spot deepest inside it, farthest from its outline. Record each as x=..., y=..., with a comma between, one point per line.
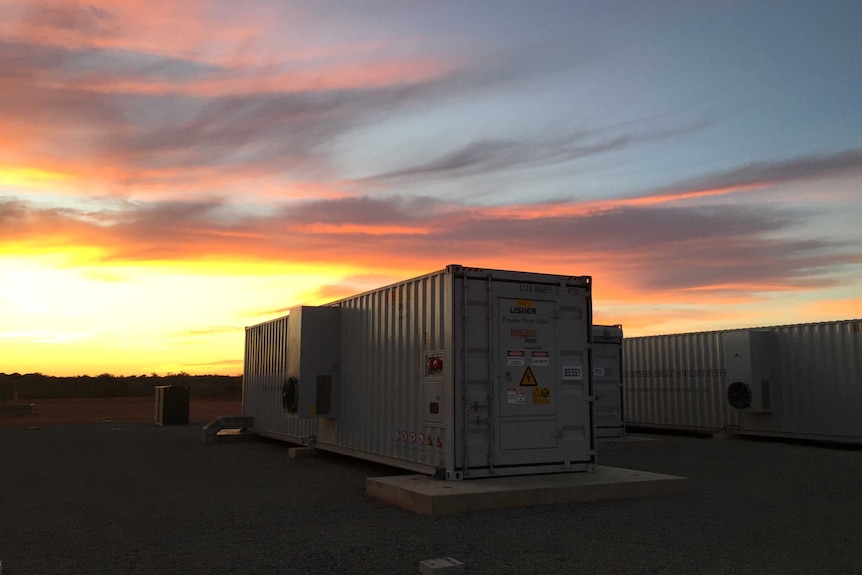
x=172, y=172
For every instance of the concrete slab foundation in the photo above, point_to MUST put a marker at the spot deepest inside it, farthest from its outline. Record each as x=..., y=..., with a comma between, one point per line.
x=232, y=435
x=424, y=495
x=211, y=432
x=441, y=566
x=301, y=452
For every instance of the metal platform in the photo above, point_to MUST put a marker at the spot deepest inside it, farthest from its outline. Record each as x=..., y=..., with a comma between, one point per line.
x=424, y=495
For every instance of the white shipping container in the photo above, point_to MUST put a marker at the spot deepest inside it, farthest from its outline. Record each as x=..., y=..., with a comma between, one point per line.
x=796, y=381
x=460, y=373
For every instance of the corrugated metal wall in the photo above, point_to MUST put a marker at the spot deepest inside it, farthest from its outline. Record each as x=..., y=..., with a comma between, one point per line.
x=820, y=374
x=381, y=403
x=679, y=381
x=264, y=375
x=676, y=381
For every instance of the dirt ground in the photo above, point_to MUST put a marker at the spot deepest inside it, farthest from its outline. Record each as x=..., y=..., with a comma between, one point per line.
x=114, y=409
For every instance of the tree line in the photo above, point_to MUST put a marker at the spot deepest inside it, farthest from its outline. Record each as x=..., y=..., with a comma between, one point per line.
x=40, y=386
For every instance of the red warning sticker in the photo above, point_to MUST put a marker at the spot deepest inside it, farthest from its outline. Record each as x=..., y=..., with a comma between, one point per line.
x=541, y=358
x=515, y=357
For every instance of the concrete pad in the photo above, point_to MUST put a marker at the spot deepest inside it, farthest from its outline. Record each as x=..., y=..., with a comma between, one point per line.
x=232, y=435
x=210, y=431
x=301, y=452
x=441, y=566
x=427, y=496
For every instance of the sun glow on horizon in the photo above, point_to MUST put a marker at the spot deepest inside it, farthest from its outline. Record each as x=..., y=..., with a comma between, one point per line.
x=178, y=316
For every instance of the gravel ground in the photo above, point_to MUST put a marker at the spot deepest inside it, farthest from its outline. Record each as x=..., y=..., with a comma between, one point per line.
x=115, y=409
x=139, y=498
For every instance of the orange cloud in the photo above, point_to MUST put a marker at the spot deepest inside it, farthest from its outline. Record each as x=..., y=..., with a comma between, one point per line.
x=359, y=229
x=689, y=253
x=570, y=209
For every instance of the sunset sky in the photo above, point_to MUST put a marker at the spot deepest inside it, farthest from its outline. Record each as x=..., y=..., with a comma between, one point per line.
x=171, y=172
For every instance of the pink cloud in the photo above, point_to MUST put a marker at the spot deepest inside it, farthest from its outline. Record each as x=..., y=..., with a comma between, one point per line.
x=689, y=253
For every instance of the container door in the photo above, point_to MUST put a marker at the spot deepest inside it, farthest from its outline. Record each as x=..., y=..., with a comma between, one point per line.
x=528, y=417
x=573, y=327
x=544, y=399
x=608, y=388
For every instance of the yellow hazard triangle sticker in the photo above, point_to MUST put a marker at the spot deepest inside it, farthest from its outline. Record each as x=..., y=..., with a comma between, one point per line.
x=529, y=378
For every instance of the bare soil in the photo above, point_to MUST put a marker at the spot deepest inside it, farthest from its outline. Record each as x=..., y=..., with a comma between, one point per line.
x=113, y=409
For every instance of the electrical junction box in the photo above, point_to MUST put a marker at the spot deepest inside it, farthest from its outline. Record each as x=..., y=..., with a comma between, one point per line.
x=172, y=405
x=749, y=362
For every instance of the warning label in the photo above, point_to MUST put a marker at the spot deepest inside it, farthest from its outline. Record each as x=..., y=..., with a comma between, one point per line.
x=516, y=395
x=540, y=358
x=541, y=395
x=515, y=357
x=529, y=378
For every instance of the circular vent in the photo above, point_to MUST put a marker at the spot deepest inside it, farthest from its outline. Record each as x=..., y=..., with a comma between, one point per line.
x=290, y=395
x=739, y=395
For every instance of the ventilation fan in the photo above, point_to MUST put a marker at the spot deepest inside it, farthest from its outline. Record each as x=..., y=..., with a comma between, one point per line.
x=739, y=395
x=290, y=395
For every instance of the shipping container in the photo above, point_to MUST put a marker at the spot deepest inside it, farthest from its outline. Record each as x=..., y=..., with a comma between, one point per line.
x=799, y=381
x=608, y=381
x=461, y=373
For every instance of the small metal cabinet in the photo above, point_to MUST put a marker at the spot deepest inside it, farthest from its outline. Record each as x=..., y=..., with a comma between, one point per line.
x=172, y=405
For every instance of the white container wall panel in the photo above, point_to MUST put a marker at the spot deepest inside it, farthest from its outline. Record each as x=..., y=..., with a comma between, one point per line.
x=386, y=335
x=676, y=381
x=608, y=380
x=819, y=391
x=807, y=381
x=462, y=373
x=265, y=373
